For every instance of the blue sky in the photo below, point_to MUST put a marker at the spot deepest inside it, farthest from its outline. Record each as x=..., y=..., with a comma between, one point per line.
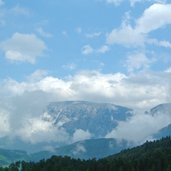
x=115, y=51
x=75, y=36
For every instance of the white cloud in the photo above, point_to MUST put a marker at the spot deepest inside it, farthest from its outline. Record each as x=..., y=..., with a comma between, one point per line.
x=37, y=75
x=168, y=70
x=126, y=36
x=155, y=17
x=87, y=49
x=137, y=61
x=142, y=88
x=164, y=43
x=80, y=135
x=36, y=130
x=4, y=123
x=23, y=47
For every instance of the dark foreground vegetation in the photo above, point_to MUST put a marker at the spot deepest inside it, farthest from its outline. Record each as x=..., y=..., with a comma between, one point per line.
x=151, y=156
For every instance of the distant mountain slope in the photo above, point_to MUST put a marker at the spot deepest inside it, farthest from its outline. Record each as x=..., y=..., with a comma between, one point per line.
x=87, y=149
x=164, y=109
x=9, y=156
x=97, y=118
x=166, y=131
x=151, y=156
x=93, y=148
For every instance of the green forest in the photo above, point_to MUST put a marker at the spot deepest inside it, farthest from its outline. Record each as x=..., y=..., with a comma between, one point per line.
x=151, y=156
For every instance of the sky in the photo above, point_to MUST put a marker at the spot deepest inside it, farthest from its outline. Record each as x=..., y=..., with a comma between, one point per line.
x=114, y=51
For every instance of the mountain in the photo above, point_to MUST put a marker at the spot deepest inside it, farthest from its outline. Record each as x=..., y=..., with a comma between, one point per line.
x=9, y=156
x=87, y=149
x=166, y=131
x=96, y=118
x=93, y=148
x=164, y=109
x=11, y=143
x=151, y=156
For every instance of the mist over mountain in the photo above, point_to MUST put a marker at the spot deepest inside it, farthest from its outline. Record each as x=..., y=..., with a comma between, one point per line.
x=166, y=131
x=149, y=156
x=67, y=122
x=87, y=149
x=85, y=125
x=63, y=123
x=161, y=109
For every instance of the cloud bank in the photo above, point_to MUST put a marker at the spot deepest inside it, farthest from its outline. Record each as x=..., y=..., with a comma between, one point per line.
x=22, y=103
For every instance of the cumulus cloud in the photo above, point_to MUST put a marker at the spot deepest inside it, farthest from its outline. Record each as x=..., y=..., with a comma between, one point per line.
x=155, y=17
x=23, y=47
x=119, y=88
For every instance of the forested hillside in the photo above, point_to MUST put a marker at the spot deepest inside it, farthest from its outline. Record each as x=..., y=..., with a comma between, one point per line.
x=151, y=156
